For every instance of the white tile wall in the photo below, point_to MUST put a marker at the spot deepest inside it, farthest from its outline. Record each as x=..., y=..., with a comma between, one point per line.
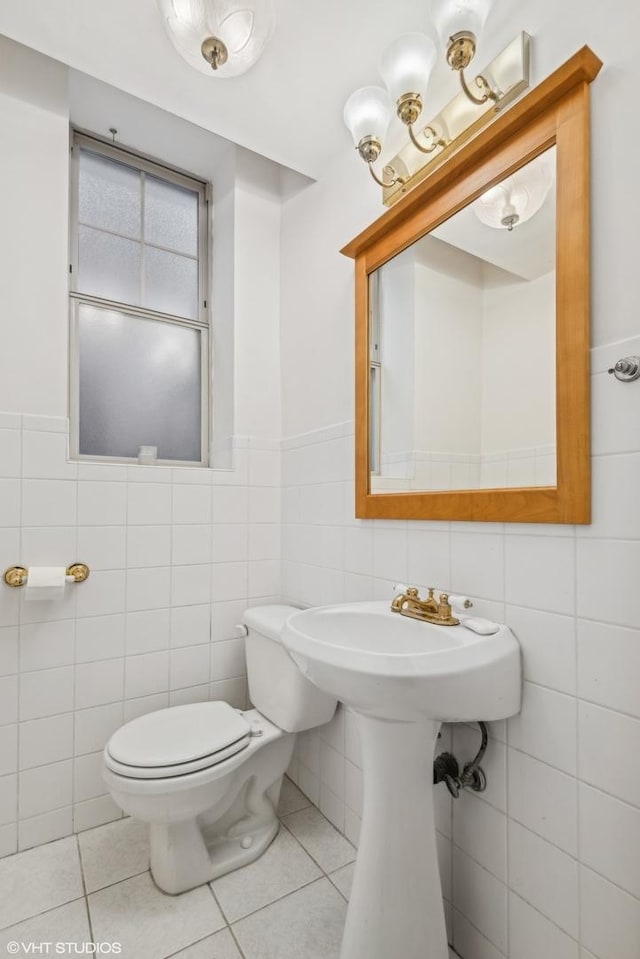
x=544, y=863
x=174, y=562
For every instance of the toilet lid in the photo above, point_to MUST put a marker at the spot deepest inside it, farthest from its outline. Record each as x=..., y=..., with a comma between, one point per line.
x=180, y=735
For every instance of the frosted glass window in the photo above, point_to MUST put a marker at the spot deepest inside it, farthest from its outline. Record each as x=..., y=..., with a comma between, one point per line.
x=170, y=216
x=138, y=273
x=108, y=266
x=171, y=283
x=109, y=195
x=139, y=386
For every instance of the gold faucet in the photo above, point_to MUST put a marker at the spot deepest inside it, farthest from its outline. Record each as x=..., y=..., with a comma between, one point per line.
x=429, y=610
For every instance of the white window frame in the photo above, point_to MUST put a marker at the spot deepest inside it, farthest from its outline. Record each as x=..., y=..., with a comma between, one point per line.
x=144, y=164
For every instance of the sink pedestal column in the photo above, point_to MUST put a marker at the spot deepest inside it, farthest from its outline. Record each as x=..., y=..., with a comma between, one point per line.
x=395, y=907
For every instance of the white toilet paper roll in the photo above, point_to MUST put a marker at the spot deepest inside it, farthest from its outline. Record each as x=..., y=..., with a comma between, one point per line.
x=45, y=582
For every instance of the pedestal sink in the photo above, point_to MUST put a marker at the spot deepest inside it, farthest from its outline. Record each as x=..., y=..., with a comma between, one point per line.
x=403, y=678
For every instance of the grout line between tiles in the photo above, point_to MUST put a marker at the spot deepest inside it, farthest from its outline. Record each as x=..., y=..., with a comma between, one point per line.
x=117, y=882
x=544, y=916
x=329, y=875
x=480, y=933
x=84, y=887
x=235, y=939
x=279, y=899
x=301, y=844
x=37, y=915
x=578, y=739
x=574, y=858
x=217, y=901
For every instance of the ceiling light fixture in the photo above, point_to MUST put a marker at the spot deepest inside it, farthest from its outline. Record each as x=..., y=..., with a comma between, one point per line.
x=405, y=67
x=515, y=200
x=223, y=36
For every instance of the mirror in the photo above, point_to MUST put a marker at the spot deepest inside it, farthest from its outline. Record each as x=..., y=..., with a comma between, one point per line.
x=462, y=346
x=472, y=325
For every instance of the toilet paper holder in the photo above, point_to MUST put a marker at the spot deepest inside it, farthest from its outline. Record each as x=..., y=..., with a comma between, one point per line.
x=18, y=575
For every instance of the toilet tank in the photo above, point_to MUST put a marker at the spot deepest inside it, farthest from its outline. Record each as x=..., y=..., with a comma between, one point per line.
x=276, y=686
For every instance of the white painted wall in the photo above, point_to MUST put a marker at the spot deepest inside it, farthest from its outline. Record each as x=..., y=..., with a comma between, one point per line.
x=397, y=296
x=468, y=372
x=176, y=555
x=518, y=362
x=544, y=863
x=34, y=145
x=448, y=352
x=256, y=303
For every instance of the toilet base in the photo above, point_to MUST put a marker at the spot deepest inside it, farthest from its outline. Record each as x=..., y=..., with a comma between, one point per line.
x=181, y=860
x=188, y=854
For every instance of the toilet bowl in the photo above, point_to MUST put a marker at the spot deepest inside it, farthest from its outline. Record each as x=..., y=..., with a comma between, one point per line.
x=206, y=776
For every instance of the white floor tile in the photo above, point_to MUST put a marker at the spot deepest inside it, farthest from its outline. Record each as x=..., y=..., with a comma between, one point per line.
x=342, y=879
x=219, y=946
x=307, y=924
x=114, y=852
x=291, y=799
x=68, y=923
x=40, y=879
x=282, y=869
x=327, y=846
x=148, y=923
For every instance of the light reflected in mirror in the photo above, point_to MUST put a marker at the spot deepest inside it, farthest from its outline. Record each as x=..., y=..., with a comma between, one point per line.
x=462, y=350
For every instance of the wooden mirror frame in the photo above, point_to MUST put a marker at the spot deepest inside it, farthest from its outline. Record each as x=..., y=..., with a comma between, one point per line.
x=556, y=113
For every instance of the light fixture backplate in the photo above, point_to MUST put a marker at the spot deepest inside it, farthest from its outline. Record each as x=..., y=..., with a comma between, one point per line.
x=461, y=119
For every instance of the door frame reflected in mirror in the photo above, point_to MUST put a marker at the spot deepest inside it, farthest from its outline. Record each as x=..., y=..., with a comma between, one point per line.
x=556, y=113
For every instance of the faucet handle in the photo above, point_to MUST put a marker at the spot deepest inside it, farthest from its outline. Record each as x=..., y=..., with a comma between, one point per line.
x=444, y=602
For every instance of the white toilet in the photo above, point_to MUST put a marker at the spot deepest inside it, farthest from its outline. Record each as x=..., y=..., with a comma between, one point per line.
x=207, y=777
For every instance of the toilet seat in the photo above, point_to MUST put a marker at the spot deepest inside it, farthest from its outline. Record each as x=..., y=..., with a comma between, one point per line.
x=177, y=741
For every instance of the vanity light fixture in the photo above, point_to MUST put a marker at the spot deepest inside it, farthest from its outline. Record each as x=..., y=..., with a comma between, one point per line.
x=221, y=38
x=459, y=24
x=406, y=65
x=515, y=200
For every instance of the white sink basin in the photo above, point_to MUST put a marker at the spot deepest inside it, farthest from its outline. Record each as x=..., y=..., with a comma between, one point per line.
x=387, y=665
x=403, y=678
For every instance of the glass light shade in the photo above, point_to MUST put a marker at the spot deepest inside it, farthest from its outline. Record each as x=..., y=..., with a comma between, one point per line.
x=457, y=16
x=244, y=26
x=406, y=65
x=523, y=194
x=367, y=113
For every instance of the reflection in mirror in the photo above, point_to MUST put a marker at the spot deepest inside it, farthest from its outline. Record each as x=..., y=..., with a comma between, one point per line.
x=462, y=346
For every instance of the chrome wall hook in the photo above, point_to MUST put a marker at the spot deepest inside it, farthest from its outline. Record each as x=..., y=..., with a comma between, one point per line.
x=627, y=369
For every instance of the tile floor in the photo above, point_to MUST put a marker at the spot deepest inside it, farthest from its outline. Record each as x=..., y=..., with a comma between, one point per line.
x=96, y=887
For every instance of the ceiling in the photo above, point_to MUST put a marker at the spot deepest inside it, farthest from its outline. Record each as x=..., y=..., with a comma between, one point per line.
x=288, y=107
x=528, y=252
